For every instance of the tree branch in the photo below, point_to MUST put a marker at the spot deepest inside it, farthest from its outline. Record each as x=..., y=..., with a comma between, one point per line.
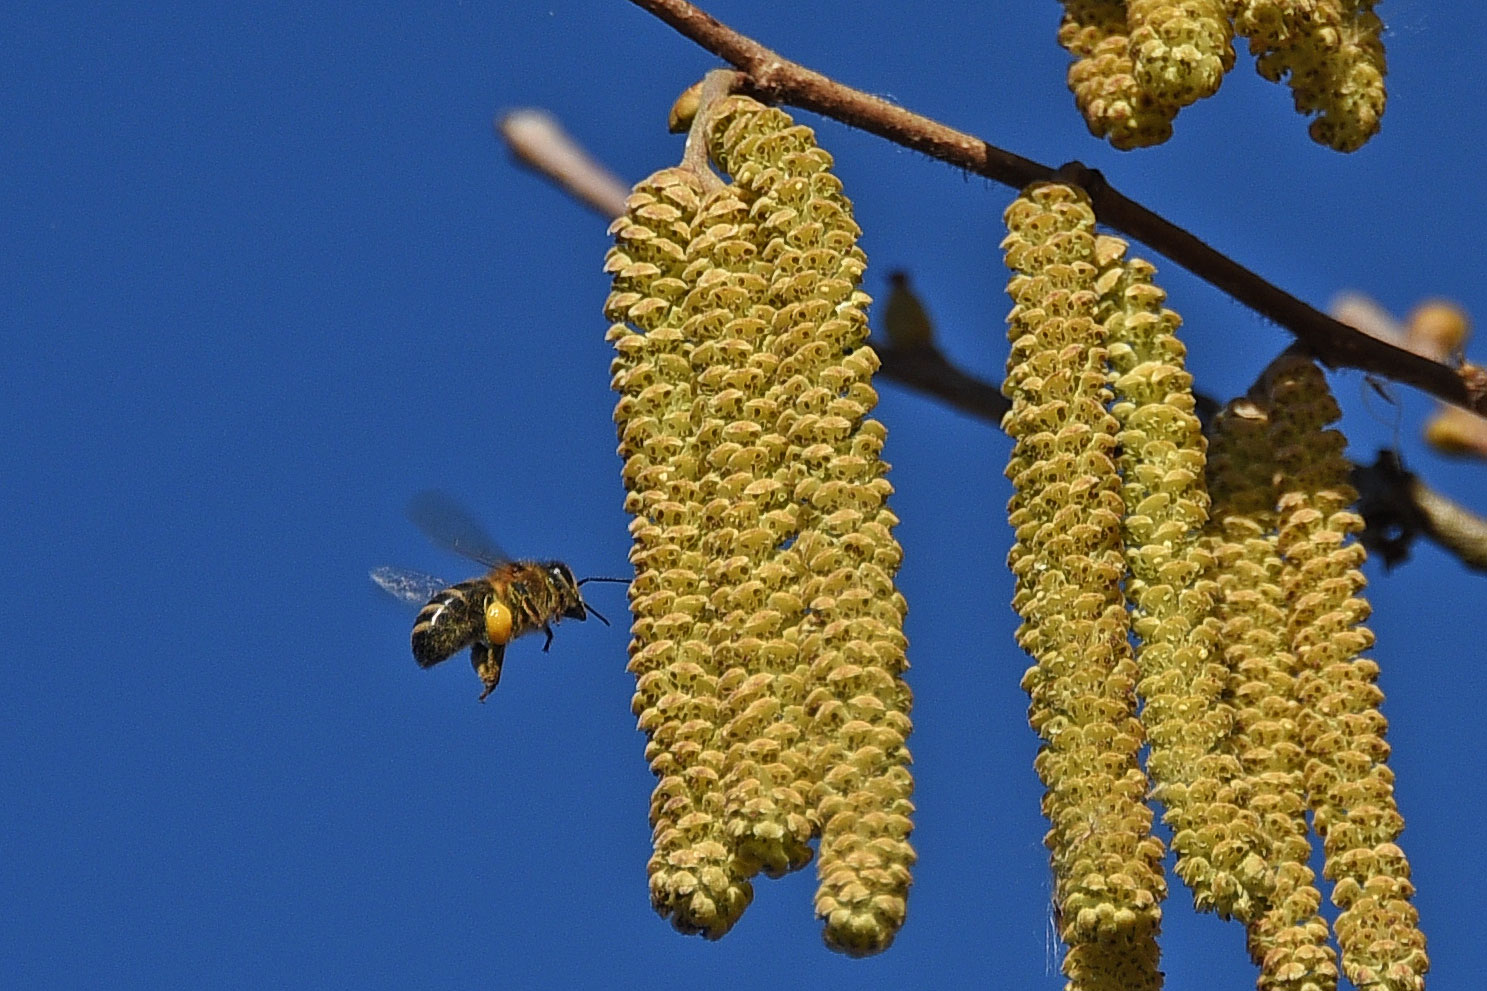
x=926, y=370
x=1396, y=505
x=771, y=77
x=539, y=142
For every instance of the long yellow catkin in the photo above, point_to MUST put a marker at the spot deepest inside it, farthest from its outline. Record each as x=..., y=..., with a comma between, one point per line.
x=1182, y=675
x=696, y=879
x=1331, y=54
x=1348, y=785
x=1102, y=76
x=852, y=634
x=768, y=647
x=1180, y=48
x=1265, y=843
x=1068, y=562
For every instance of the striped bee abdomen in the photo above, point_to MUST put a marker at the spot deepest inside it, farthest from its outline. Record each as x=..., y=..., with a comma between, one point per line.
x=451, y=621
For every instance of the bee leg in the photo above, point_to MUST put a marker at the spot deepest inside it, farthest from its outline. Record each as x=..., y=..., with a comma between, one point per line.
x=486, y=659
x=548, y=630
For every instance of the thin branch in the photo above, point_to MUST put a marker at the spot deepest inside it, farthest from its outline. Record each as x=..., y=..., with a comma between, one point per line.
x=776, y=79
x=1397, y=506
x=538, y=141
x=926, y=370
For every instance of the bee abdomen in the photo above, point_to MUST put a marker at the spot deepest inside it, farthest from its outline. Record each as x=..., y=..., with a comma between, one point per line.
x=448, y=624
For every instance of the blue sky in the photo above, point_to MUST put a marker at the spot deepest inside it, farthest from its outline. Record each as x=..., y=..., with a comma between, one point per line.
x=266, y=273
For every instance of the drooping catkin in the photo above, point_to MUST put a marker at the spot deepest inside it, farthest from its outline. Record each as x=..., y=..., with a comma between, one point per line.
x=1348, y=786
x=1180, y=48
x=696, y=878
x=768, y=646
x=1171, y=590
x=851, y=633
x=1068, y=562
x=1103, y=77
x=1343, y=81
x=1330, y=53
x=1265, y=843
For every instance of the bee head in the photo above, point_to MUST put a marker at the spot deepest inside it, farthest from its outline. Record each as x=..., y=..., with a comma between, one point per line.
x=577, y=608
x=569, y=598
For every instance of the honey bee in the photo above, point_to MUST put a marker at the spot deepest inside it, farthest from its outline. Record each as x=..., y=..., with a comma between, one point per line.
x=485, y=613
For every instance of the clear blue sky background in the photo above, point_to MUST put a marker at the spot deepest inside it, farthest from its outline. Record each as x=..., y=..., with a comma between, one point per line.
x=265, y=273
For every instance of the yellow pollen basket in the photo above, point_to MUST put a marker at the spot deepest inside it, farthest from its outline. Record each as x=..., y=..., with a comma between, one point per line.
x=497, y=622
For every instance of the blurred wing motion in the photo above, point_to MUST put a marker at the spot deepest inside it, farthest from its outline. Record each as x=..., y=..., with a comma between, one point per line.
x=412, y=587
x=487, y=612
x=450, y=525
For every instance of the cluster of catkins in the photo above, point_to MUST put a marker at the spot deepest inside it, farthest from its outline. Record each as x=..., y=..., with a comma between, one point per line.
x=1196, y=606
x=768, y=646
x=1225, y=639
x=1138, y=62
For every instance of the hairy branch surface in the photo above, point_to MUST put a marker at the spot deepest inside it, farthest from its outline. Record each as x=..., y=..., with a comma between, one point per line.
x=1397, y=505
x=768, y=76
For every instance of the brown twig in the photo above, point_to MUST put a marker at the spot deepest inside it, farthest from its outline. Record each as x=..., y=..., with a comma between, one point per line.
x=776, y=79
x=926, y=370
x=1397, y=506
x=538, y=141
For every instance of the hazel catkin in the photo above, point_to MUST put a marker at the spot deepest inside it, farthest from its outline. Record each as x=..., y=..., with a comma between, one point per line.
x=767, y=645
x=1069, y=564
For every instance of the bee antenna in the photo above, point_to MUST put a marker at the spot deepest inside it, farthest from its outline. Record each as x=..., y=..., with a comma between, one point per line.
x=582, y=581
x=596, y=613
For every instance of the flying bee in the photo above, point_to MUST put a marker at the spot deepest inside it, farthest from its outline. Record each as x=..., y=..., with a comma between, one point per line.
x=485, y=613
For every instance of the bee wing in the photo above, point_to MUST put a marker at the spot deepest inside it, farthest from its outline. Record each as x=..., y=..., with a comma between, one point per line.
x=413, y=587
x=445, y=521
